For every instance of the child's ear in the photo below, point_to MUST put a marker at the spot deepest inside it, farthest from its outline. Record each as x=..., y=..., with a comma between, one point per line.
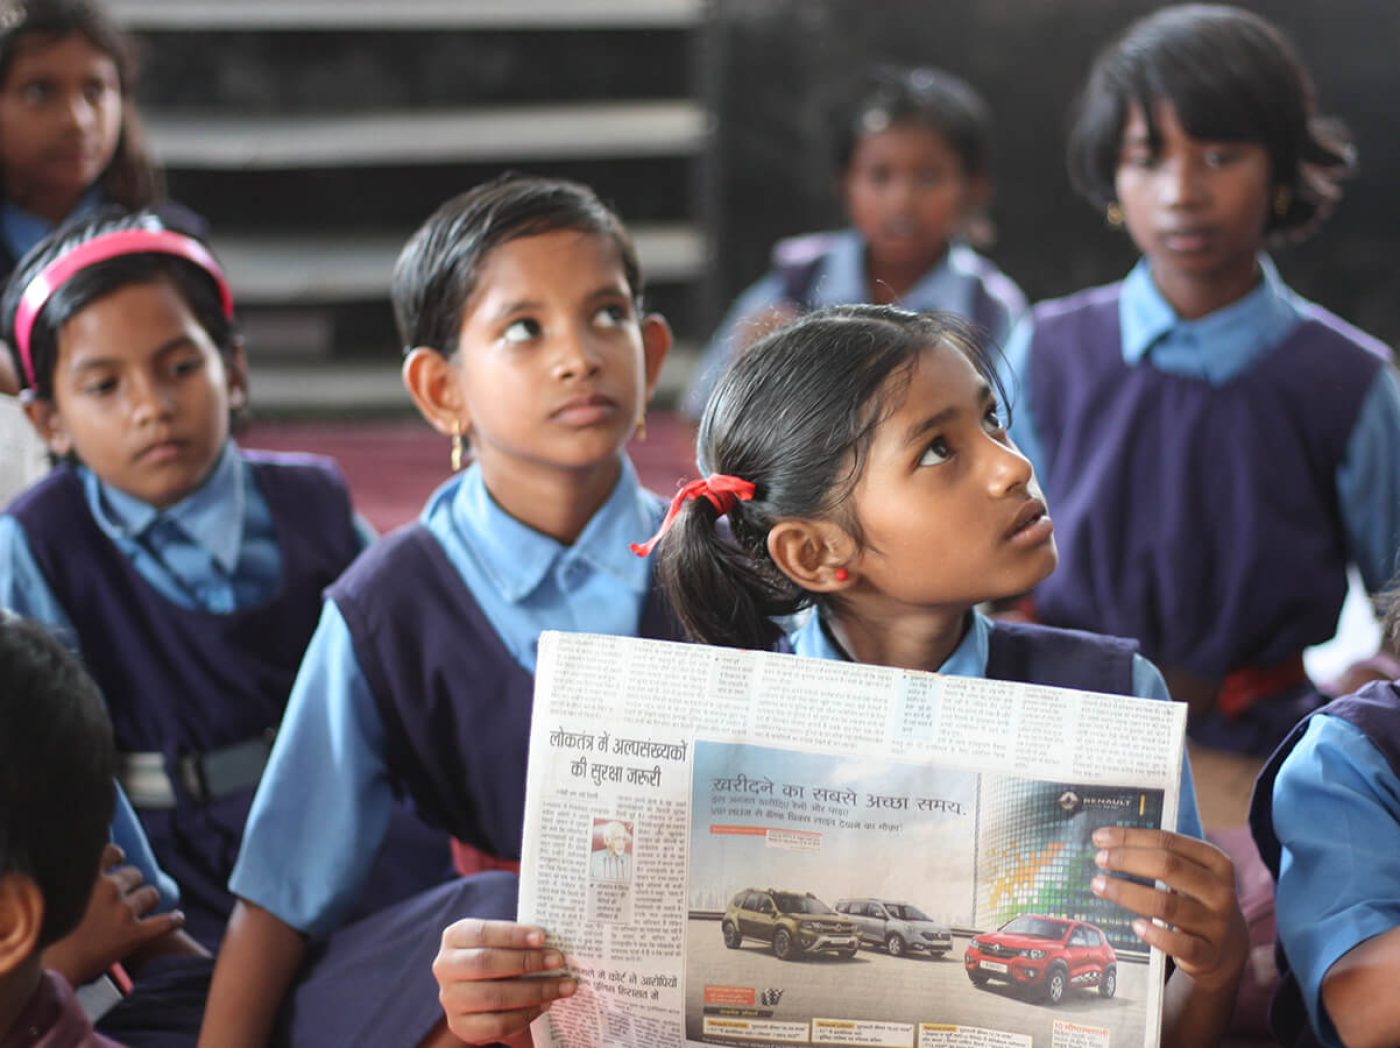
x=656, y=343
x=21, y=920
x=236, y=375
x=812, y=553
x=47, y=421
x=432, y=382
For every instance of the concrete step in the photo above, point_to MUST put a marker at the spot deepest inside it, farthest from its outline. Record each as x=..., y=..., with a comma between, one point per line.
x=332, y=388
x=294, y=269
x=497, y=134
x=165, y=15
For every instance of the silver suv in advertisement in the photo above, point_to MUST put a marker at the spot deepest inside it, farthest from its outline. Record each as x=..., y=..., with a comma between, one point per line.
x=900, y=927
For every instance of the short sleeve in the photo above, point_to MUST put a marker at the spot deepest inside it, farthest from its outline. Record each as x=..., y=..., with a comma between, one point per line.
x=322, y=807
x=1337, y=818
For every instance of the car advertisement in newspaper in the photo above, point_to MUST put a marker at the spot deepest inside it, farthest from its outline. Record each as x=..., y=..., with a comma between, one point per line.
x=751, y=849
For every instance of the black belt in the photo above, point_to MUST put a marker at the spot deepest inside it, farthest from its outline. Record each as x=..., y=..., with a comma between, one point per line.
x=149, y=781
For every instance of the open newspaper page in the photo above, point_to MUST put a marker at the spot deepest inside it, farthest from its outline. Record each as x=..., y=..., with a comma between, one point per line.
x=752, y=849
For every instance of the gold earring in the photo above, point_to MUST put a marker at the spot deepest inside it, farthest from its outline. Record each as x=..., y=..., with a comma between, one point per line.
x=1113, y=215
x=641, y=431
x=1283, y=200
x=457, y=449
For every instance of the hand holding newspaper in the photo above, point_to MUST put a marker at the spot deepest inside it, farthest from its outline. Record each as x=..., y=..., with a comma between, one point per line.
x=753, y=849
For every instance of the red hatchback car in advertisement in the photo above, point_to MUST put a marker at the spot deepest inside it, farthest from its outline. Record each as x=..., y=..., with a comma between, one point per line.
x=1044, y=955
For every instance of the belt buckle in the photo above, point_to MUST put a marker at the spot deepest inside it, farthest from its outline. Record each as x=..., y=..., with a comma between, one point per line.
x=192, y=777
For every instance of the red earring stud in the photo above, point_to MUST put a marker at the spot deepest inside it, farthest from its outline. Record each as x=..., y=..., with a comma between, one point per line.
x=841, y=574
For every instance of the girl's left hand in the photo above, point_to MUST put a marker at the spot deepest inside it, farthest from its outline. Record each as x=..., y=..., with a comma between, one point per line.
x=1203, y=930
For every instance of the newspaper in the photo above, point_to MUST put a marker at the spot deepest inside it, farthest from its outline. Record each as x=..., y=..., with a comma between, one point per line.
x=754, y=849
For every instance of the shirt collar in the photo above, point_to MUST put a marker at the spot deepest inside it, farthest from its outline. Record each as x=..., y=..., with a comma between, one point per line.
x=516, y=558
x=969, y=658
x=212, y=515
x=1217, y=346
x=948, y=285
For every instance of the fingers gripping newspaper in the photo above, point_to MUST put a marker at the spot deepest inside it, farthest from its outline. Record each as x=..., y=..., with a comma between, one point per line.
x=753, y=849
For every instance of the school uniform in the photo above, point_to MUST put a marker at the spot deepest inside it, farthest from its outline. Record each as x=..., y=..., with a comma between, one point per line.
x=420, y=680
x=1326, y=818
x=828, y=269
x=1037, y=655
x=192, y=621
x=1210, y=481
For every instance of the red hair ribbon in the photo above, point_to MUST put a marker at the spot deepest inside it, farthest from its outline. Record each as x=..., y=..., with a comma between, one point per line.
x=99, y=249
x=722, y=490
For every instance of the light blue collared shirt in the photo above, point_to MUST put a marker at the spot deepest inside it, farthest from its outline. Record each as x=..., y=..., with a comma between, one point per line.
x=1217, y=348
x=969, y=659
x=324, y=802
x=1336, y=812
x=216, y=549
x=950, y=286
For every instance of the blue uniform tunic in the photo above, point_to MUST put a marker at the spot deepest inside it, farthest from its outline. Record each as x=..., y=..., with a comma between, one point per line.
x=190, y=654
x=1210, y=480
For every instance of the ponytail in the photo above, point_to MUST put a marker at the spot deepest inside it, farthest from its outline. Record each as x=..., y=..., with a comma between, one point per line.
x=721, y=581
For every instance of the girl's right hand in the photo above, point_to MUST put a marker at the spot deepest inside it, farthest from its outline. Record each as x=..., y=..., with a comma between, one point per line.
x=489, y=979
x=118, y=922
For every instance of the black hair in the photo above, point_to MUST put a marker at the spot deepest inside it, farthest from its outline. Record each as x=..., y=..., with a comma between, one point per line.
x=1231, y=76
x=57, y=760
x=131, y=179
x=437, y=270
x=193, y=283
x=920, y=97
x=794, y=416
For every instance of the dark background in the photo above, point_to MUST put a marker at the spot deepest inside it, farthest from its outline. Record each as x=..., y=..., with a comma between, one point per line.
x=774, y=69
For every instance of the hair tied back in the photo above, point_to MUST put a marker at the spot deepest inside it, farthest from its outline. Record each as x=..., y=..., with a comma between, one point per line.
x=721, y=490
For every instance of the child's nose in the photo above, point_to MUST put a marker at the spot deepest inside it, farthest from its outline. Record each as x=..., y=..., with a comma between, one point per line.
x=150, y=400
x=577, y=357
x=1010, y=469
x=1182, y=184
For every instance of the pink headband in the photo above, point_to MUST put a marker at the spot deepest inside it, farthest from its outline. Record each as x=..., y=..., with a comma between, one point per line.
x=100, y=249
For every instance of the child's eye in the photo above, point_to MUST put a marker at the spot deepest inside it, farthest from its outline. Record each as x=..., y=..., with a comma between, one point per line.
x=1140, y=158
x=936, y=453
x=612, y=315
x=992, y=421
x=36, y=92
x=521, y=331
x=100, y=387
x=930, y=177
x=1220, y=157
x=187, y=365
x=94, y=92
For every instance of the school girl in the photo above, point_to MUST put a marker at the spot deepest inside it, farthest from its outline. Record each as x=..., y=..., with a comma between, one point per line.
x=70, y=139
x=913, y=166
x=1217, y=448
x=861, y=467
x=519, y=307
x=186, y=572
x=1326, y=817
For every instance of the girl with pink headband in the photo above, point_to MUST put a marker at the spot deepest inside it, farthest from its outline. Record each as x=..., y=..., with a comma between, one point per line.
x=185, y=571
